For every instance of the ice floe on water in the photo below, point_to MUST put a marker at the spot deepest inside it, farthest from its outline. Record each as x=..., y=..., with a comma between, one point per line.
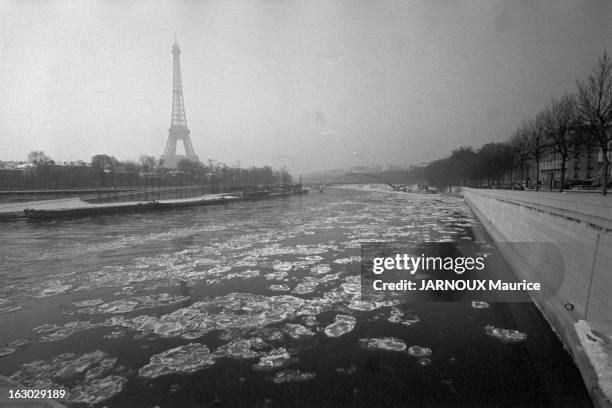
x=292, y=376
x=343, y=261
x=418, y=351
x=478, y=304
x=185, y=359
x=297, y=331
x=266, y=330
x=279, y=288
x=54, y=288
x=277, y=275
x=7, y=307
x=56, y=333
x=424, y=361
x=128, y=305
x=398, y=316
x=249, y=273
x=88, y=303
x=89, y=378
x=241, y=348
x=274, y=360
x=303, y=288
x=505, y=335
x=7, y=351
x=282, y=266
x=320, y=269
x=98, y=389
x=383, y=343
x=235, y=311
x=342, y=325
x=364, y=305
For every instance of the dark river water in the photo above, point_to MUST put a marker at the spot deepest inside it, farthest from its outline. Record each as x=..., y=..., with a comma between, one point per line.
x=257, y=304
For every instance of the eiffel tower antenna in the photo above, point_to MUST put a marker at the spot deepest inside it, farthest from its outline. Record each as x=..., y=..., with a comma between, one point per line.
x=178, y=121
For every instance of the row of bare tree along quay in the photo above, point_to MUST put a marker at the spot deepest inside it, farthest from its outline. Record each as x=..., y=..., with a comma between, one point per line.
x=104, y=171
x=565, y=145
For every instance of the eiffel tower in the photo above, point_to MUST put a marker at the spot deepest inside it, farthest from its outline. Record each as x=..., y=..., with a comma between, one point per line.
x=178, y=122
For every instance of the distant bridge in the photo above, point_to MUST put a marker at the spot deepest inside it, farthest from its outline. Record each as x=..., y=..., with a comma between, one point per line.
x=362, y=178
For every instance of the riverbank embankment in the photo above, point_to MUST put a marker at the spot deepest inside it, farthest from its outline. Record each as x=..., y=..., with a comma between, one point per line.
x=578, y=302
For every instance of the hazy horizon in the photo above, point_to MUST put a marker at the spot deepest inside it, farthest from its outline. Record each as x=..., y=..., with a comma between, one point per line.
x=309, y=85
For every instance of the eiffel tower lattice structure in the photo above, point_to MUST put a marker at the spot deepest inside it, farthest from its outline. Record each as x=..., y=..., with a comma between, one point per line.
x=178, y=123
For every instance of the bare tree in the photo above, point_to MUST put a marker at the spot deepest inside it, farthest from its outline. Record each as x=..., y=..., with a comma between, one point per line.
x=595, y=109
x=532, y=137
x=148, y=164
x=558, y=118
x=520, y=150
x=39, y=158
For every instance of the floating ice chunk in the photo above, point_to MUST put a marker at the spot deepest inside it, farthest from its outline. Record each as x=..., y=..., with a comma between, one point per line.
x=292, y=376
x=278, y=275
x=274, y=359
x=383, y=343
x=477, y=304
x=129, y=305
x=505, y=335
x=219, y=270
x=314, y=258
x=118, y=306
x=347, y=370
x=46, y=328
x=18, y=343
x=54, y=288
x=310, y=321
x=249, y=273
x=320, y=269
x=342, y=325
x=116, y=334
x=410, y=319
x=395, y=316
x=271, y=335
x=282, y=266
x=297, y=331
x=343, y=261
x=363, y=305
x=6, y=351
x=596, y=344
x=10, y=309
x=98, y=390
x=280, y=288
x=184, y=359
x=169, y=329
x=424, y=361
x=88, y=303
x=236, y=349
x=394, y=319
x=67, y=330
x=89, y=376
x=418, y=351
x=193, y=334
x=305, y=287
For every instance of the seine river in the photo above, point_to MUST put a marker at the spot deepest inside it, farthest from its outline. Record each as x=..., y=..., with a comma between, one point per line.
x=257, y=304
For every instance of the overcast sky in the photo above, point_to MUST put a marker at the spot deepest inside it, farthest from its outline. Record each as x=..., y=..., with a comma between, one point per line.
x=329, y=83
